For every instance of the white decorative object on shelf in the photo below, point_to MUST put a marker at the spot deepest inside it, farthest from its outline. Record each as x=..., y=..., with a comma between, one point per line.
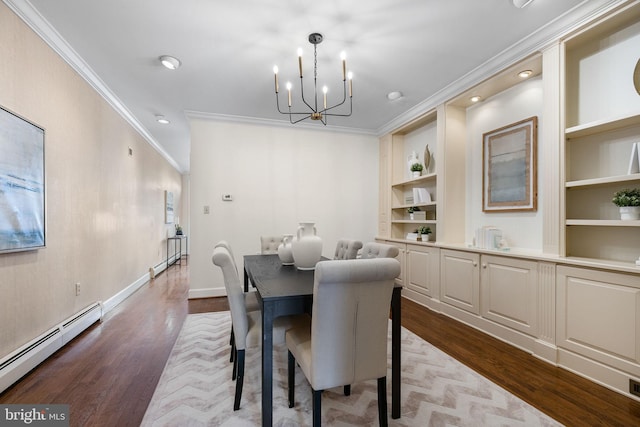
x=306, y=247
x=629, y=213
x=284, y=250
x=488, y=237
x=427, y=158
x=634, y=160
x=421, y=195
x=411, y=160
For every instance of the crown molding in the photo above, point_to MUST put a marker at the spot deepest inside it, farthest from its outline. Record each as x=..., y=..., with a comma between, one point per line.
x=25, y=11
x=274, y=123
x=580, y=15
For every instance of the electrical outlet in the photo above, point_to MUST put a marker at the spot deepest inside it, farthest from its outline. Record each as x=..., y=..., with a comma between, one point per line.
x=206, y=210
x=77, y=288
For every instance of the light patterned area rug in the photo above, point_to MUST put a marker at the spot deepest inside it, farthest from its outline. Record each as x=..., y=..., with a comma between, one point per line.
x=196, y=388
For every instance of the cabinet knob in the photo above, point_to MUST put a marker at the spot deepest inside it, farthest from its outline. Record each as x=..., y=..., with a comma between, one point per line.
x=475, y=264
x=484, y=265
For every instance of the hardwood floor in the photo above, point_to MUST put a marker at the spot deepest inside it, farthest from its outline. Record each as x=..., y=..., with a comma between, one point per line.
x=108, y=374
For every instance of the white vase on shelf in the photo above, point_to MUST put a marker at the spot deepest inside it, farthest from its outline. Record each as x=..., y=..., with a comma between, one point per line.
x=629, y=213
x=306, y=247
x=284, y=250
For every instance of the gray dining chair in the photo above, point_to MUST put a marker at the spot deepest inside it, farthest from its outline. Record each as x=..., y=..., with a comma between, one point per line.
x=247, y=325
x=347, y=249
x=379, y=250
x=269, y=244
x=347, y=340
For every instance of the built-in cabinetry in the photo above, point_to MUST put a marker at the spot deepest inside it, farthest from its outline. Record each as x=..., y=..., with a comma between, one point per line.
x=569, y=290
x=420, y=269
x=598, y=324
x=498, y=291
x=602, y=121
x=401, y=222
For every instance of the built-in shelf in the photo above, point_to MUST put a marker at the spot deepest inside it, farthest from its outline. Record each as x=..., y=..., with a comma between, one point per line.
x=604, y=125
x=603, y=181
x=618, y=266
x=604, y=222
x=415, y=221
x=418, y=205
x=418, y=180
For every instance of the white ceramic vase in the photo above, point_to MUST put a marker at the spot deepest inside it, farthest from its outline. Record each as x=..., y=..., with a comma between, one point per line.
x=629, y=213
x=306, y=247
x=284, y=250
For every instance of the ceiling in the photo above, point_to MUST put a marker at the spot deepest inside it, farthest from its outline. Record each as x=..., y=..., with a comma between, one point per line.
x=228, y=50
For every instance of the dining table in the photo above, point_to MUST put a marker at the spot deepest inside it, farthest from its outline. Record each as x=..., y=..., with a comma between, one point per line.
x=284, y=290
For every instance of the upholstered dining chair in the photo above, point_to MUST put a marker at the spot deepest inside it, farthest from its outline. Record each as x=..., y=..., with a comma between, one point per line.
x=247, y=325
x=347, y=249
x=250, y=298
x=379, y=250
x=347, y=340
x=269, y=244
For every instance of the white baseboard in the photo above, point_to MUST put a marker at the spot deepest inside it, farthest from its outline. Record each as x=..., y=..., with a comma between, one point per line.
x=18, y=363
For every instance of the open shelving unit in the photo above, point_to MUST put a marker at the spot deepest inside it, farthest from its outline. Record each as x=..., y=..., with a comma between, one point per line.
x=598, y=140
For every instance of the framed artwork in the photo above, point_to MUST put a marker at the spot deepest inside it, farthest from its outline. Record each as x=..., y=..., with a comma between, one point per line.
x=22, y=190
x=509, y=175
x=168, y=207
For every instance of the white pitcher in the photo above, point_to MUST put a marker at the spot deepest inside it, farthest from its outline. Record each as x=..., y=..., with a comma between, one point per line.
x=284, y=250
x=306, y=247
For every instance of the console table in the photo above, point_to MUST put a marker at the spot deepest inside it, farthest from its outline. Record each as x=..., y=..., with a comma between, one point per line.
x=177, y=242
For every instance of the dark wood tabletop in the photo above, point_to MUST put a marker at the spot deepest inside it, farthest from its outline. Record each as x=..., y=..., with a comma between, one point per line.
x=274, y=280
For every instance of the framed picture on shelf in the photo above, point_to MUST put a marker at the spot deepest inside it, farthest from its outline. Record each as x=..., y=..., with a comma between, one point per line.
x=22, y=190
x=509, y=170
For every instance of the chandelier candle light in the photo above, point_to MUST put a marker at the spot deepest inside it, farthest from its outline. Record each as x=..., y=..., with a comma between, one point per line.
x=314, y=112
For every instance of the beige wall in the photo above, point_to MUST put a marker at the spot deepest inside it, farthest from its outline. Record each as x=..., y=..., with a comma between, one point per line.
x=277, y=176
x=105, y=217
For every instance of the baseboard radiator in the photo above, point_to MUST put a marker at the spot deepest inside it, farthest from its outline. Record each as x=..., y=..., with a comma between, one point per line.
x=23, y=360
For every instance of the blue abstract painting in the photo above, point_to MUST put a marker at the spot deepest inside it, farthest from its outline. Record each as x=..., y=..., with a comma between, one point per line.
x=22, y=191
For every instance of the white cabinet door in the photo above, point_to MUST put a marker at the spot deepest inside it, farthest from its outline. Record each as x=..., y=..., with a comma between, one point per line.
x=509, y=292
x=422, y=270
x=460, y=280
x=598, y=315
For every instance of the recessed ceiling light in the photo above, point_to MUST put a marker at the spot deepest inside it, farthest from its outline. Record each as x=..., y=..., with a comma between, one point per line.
x=162, y=119
x=524, y=74
x=521, y=3
x=392, y=96
x=170, y=62
x=475, y=98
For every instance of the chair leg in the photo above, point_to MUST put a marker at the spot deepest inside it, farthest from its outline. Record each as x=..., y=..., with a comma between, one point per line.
x=382, y=401
x=239, y=379
x=233, y=351
x=235, y=363
x=291, y=378
x=347, y=390
x=317, y=408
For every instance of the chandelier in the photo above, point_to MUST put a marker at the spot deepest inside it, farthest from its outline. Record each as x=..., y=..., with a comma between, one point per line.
x=314, y=110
